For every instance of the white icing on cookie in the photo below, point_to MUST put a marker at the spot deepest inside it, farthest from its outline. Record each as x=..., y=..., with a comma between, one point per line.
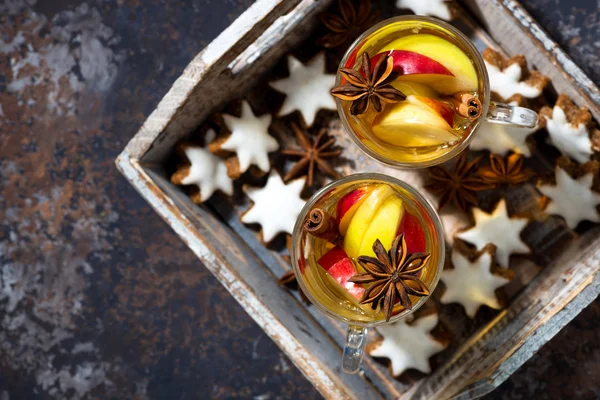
x=435, y=8
x=408, y=346
x=572, y=199
x=307, y=88
x=207, y=171
x=471, y=284
x=506, y=82
x=502, y=138
x=571, y=141
x=250, y=138
x=276, y=206
x=499, y=229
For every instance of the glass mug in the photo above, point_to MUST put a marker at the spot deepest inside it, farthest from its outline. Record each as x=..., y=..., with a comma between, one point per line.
x=447, y=91
x=363, y=207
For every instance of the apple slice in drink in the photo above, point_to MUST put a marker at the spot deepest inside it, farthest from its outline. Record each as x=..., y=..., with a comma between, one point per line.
x=409, y=125
x=383, y=226
x=348, y=205
x=363, y=217
x=341, y=268
x=443, y=109
x=411, y=63
x=464, y=76
x=413, y=233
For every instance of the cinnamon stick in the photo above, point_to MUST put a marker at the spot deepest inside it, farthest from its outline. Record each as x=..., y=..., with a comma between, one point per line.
x=320, y=224
x=466, y=105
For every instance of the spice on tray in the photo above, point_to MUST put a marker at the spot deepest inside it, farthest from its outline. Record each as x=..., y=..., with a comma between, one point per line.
x=289, y=280
x=348, y=24
x=457, y=185
x=322, y=225
x=372, y=88
x=393, y=275
x=508, y=171
x=313, y=154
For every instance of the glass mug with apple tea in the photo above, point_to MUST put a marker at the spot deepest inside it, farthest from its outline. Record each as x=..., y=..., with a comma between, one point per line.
x=342, y=249
x=427, y=98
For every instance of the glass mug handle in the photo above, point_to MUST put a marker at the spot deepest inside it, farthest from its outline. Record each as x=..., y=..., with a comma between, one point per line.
x=499, y=113
x=356, y=338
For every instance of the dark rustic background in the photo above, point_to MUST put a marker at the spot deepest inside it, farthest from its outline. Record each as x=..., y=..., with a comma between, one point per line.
x=98, y=298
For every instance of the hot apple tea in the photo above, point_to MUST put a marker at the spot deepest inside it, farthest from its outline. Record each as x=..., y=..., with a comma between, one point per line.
x=368, y=250
x=410, y=91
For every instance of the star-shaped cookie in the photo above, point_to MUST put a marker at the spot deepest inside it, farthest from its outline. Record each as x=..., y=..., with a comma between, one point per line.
x=572, y=140
x=407, y=346
x=573, y=199
x=510, y=78
x=250, y=139
x=471, y=284
x=276, y=206
x=499, y=229
x=501, y=139
x=435, y=8
x=307, y=88
x=206, y=171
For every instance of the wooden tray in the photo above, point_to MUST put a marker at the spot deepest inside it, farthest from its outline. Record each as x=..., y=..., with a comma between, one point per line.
x=487, y=350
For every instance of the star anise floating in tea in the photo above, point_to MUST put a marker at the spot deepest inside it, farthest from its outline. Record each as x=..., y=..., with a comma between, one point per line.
x=372, y=88
x=392, y=275
x=508, y=171
x=314, y=154
x=458, y=185
x=349, y=24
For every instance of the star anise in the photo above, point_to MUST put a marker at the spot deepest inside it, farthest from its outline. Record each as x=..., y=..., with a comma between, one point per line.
x=508, y=171
x=313, y=154
x=391, y=275
x=373, y=87
x=350, y=23
x=458, y=185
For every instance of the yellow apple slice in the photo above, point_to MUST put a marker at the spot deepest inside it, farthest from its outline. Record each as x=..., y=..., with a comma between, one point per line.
x=383, y=227
x=414, y=89
x=444, y=52
x=363, y=217
x=409, y=125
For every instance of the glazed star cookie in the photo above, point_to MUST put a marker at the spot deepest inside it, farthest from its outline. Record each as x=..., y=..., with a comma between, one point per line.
x=498, y=229
x=502, y=139
x=307, y=88
x=407, y=346
x=572, y=198
x=276, y=206
x=205, y=170
x=435, y=8
x=510, y=78
x=249, y=140
x=569, y=128
x=472, y=283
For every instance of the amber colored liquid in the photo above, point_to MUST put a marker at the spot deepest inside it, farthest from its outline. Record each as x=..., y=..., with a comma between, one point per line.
x=411, y=150
x=327, y=291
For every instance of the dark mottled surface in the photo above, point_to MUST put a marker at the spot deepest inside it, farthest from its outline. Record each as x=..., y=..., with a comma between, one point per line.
x=98, y=298
x=575, y=26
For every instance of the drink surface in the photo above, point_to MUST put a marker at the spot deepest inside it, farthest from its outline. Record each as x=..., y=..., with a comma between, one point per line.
x=364, y=212
x=436, y=73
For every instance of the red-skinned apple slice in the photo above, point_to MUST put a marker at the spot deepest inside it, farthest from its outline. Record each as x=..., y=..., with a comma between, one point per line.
x=341, y=268
x=413, y=233
x=347, y=206
x=411, y=63
x=439, y=107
